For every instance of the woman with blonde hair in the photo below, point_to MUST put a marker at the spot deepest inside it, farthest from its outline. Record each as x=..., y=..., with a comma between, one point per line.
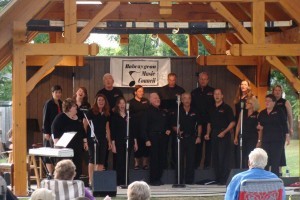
x=250, y=135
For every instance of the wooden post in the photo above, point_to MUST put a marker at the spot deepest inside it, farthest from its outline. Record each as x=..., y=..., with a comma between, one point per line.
x=19, y=110
x=258, y=22
x=70, y=21
x=192, y=46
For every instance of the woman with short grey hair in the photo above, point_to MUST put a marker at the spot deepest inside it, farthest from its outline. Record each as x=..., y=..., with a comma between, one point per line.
x=138, y=190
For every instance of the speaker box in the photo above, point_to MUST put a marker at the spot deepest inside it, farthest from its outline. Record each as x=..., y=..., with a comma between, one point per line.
x=233, y=172
x=138, y=175
x=105, y=183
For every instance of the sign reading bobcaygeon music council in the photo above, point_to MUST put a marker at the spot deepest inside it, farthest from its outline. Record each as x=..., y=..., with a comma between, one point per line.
x=128, y=72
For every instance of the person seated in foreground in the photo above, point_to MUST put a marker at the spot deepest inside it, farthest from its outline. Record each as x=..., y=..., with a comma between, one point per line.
x=42, y=194
x=138, y=190
x=65, y=170
x=258, y=160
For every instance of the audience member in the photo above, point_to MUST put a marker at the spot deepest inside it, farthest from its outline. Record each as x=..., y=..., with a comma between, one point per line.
x=65, y=170
x=258, y=159
x=138, y=190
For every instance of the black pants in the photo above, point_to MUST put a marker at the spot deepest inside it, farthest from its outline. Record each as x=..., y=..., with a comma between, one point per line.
x=274, y=151
x=207, y=150
x=187, y=159
x=221, y=157
x=248, y=146
x=157, y=155
x=120, y=158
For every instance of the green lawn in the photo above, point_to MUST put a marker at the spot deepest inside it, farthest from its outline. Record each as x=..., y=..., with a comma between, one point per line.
x=292, y=157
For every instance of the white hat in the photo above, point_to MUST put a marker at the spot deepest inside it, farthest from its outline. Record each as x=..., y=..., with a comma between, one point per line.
x=42, y=194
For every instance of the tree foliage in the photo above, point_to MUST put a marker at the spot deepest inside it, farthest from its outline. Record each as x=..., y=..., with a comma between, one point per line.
x=3, y=3
x=6, y=83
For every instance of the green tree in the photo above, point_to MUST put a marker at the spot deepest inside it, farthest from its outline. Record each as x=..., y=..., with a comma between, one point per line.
x=3, y=3
x=6, y=83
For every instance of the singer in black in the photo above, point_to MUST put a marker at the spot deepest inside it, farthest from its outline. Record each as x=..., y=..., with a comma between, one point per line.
x=98, y=118
x=190, y=134
x=202, y=101
x=251, y=136
x=168, y=94
x=272, y=123
x=138, y=105
x=118, y=137
x=221, y=122
x=243, y=93
x=68, y=122
x=285, y=105
x=155, y=129
x=81, y=99
x=111, y=93
x=51, y=109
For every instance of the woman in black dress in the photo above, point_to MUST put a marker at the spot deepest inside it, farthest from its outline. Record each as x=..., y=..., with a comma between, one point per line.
x=98, y=117
x=81, y=99
x=272, y=123
x=68, y=122
x=250, y=135
x=138, y=105
x=243, y=93
x=118, y=137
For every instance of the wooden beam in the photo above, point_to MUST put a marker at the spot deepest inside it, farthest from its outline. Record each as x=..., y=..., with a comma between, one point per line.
x=19, y=110
x=81, y=37
x=258, y=22
x=61, y=49
x=192, y=46
x=124, y=39
x=265, y=50
x=263, y=72
x=294, y=81
x=208, y=46
x=291, y=7
x=66, y=61
x=108, y=8
x=290, y=36
x=70, y=21
x=165, y=8
x=219, y=60
x=298, y=66
x=173, y=46
x=237, y=72
x=185, y=1
x=243, y=32
x=21, y=11
x=221, y=43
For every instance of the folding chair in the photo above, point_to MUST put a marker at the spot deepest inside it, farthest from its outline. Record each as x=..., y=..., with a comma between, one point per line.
x=261, y=189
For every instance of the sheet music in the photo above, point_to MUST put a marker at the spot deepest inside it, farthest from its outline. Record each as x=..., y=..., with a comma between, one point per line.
x=65, y=139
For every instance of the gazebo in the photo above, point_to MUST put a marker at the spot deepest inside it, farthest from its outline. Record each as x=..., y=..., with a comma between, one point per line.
x=259, y=33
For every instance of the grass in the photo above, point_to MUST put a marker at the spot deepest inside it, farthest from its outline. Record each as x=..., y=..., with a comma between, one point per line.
x=292, y=158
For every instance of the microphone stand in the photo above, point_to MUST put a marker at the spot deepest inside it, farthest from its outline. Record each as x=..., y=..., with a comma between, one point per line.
x=241, y=135
x=127, y=149
x=178, y=185
x=95, y=141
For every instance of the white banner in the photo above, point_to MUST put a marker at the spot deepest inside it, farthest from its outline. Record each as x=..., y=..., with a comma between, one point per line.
x=148, y=72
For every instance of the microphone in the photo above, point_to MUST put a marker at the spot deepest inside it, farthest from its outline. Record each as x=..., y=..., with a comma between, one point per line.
x=127, y=106
x=242, y=104
x=84, y=109
x=178, y=99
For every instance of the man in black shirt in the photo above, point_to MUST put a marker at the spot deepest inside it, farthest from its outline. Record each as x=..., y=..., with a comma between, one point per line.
x=51, y=108
x=190, y=134
x=202, y=101
x=110, y=92
x=155, y=130
x=220, y=122
x=168, y=95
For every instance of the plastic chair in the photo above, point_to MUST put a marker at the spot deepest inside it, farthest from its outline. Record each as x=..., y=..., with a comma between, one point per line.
x=261, y=189
x=65, y=189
